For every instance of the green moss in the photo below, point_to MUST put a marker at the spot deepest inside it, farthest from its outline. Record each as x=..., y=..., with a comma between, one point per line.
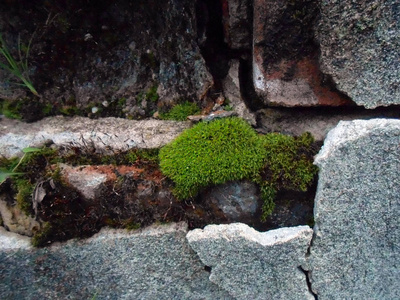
x=70, y=111
x=150, y=155
x=35, y=161
x=152, y=94
x=47, y=109
x=180, y=112
x=229, y=149
x=212, y=153
x=121, y=103
x=131, y=157
x=12, y=109
x=289, y=161
x=24, y=196
x=41, y=238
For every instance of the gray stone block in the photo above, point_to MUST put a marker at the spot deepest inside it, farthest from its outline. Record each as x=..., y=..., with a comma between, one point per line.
x=254, y=265
x=360, y=43
x=356, y=250
x=107, y=135
x=155, y=263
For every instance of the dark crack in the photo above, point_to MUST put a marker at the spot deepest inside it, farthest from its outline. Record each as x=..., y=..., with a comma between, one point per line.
x=307, y=274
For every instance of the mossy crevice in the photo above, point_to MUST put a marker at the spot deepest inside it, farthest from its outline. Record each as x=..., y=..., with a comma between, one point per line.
x=205, y=155
x=229, y=149
x=181, y=111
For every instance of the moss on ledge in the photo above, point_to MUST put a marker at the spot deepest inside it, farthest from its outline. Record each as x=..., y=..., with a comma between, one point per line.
x=229, y=149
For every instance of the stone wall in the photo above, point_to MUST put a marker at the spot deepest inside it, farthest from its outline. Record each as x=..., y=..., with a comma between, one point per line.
x=283, y=66
x=352, y=252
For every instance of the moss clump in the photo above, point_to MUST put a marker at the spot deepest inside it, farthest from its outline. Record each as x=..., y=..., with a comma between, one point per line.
x=212, y=153
x=152, y=94
x=12, y=109
x=229, y=149
x=70, y=111
x=24, y=196
x=41, y=238
x=180, y=112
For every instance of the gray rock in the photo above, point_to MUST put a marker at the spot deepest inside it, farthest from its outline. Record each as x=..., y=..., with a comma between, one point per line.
x=237, y=23
x=254, y=265
x=10, y=241
x=106, y=135
x=355, y=252
x=317, y=122
x=154, y=263
x=238, y=200
x=360, y=43
x=231, y=86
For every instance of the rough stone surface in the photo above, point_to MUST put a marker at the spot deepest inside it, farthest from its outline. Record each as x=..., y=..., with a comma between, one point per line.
x=316, y=121
x=285, y=59
x=86, y=53
x=14, y=219
x=238, y=200
x=87, y=180
x=355, y=252
x=155, y=263
x=253, y=265
x=237, y=23
x=231, y=87
x=13, y=242
x=360, y=43
x=103, y=135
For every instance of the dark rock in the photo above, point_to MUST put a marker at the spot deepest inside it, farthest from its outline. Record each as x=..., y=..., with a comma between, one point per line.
x=360, y=43
x=238, y=201
x=285, y=62
x=317, y=121
x=237, y=23
x=85, y=53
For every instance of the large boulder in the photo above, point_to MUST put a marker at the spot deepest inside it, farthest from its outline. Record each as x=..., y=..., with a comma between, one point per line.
x=355, y=251
x=254, y=265
x=285, y=59
x=360, y=43
x=155, y=263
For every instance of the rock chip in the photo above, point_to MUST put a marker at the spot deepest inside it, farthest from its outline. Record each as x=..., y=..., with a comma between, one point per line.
x=107, y=135
x=360, y=43
x=355, y=252
x=154, y=263
x=254, y=265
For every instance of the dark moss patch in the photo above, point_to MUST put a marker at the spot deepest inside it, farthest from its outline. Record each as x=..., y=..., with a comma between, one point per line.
x=180, y=112
x=24, y=196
